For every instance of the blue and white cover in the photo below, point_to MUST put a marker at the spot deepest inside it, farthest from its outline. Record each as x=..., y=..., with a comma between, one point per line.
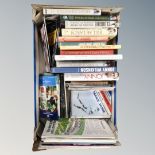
x=88, y=104
x=82, y=69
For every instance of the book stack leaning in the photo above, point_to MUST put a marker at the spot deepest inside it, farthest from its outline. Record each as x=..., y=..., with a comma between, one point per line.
x=77, y=76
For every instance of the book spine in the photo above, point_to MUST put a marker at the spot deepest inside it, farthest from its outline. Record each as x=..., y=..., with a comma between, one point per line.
x=91, y=24
x=85, y=63
x=89, y=46
x=88, y=18
x=74, y=11
x=63, y=104
x=88, y=57
x=84, y=39
x=45, y=47
x=99, y=102
x=105, y=97
x=86, y=52
x=110, y=32
x=82, y=69
x=108, y=76
x=103, y=102
x=82, y=43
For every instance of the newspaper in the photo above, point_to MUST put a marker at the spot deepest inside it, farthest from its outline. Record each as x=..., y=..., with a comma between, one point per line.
x=76, y=128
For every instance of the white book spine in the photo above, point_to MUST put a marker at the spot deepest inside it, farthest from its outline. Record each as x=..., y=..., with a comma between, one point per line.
x=111, y=32
x=81, y=64
x=88, y=57
x=80, y=141
x=47, y=11
x=91, y=77
x=91, y=24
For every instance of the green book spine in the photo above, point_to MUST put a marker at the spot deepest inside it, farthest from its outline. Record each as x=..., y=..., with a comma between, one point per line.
x=88, y=18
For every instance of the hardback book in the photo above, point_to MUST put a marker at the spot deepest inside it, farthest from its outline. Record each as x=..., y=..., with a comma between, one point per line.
x=87, y=57
x=70, y=11
x=87, y=46
x=110, y=32
x=83, y=38
x=82, y=69
x=85, y=63
x=87, y=52
x=88, y=18
x=102, y=76
x=90, y=24
x=82, y=43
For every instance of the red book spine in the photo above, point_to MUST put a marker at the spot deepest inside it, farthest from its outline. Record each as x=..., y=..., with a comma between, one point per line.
x=81, y=39
x=106, y=101
x=87, y=52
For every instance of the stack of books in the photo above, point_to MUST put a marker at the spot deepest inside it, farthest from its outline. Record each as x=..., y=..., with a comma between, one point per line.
x=80, y=53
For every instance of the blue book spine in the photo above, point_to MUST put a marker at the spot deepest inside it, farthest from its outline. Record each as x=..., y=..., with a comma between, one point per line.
x=82, y=69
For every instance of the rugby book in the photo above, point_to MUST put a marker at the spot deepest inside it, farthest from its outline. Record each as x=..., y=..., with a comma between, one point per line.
x=82, y=69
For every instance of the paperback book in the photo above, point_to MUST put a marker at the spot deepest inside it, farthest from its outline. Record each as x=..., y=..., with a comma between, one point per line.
x=49, y=97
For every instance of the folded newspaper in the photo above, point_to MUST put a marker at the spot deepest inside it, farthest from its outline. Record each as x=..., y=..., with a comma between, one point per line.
x=78, y=130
